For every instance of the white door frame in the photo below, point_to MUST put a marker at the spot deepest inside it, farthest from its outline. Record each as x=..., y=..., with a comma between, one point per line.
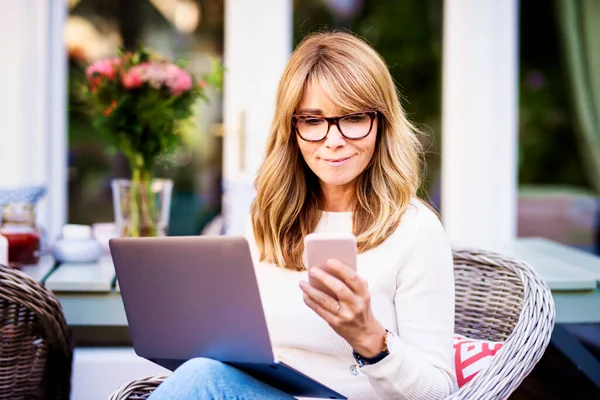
x=479, y=120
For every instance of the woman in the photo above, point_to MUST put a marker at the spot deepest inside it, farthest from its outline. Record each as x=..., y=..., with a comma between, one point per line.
x=342, y=157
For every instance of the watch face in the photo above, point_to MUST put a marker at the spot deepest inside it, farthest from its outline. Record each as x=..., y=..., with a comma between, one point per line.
x=358, y=358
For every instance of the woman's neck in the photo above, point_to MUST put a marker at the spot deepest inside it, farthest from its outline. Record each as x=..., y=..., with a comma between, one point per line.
x=338, y=198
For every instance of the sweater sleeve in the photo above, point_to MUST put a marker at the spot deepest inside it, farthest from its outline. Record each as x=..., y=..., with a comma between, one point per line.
x=420, y=363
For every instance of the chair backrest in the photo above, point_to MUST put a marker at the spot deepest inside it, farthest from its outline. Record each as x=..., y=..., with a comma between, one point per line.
x=489, y=294
x=36, y=348
x=501, y=299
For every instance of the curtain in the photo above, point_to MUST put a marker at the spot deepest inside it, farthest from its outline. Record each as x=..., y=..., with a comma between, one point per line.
x=579, y=24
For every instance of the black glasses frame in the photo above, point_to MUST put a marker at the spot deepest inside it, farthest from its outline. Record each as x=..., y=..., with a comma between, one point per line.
x=333, y=121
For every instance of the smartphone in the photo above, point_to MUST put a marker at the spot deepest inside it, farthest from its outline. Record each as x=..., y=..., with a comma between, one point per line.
x=320, y=247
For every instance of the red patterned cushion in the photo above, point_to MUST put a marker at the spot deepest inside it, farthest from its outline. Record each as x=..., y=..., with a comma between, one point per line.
x=471, y=356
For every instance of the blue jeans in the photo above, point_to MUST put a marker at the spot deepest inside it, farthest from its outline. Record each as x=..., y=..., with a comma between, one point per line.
x=203, y=378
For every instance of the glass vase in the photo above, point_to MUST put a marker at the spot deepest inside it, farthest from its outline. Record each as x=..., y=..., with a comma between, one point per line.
x=142, y=205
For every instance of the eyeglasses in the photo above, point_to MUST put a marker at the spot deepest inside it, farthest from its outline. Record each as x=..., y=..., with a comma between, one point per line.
x=352, y=126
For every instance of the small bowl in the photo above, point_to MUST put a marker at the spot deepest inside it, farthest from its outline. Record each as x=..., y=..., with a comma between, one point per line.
x=77, y=251
x=77, y=245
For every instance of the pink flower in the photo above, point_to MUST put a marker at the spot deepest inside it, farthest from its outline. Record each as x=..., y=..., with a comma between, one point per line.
x=178, y=81
x=100, y=70
x=134, y=78
x=158, y=76
x=103, y=68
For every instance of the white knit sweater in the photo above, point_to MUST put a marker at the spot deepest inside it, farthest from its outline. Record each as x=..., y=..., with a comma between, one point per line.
x=410, y=277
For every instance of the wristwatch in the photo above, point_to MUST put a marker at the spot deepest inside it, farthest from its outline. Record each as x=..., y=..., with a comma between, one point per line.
x=362, y=361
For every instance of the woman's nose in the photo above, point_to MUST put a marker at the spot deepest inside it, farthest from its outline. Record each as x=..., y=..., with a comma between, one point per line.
x=334, y=137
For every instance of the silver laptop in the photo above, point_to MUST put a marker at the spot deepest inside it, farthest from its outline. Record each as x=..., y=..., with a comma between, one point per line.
x=197, y=296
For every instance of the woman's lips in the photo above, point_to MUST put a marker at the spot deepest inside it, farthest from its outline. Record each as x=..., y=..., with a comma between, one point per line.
x=336, y=162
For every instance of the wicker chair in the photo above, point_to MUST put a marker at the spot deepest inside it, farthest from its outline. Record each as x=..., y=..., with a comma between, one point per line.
x=497, y=298
x=36, y=350
x=502, y=299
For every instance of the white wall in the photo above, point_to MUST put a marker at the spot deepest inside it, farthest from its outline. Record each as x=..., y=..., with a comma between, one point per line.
x=32, y=103
x=12, y=78
x=258, y=42
x=479, y=120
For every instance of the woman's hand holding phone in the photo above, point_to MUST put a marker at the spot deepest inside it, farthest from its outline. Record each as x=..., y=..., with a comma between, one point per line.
x=338, y=294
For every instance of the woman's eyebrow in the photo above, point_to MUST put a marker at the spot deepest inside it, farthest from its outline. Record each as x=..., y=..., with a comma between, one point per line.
x=311, y=111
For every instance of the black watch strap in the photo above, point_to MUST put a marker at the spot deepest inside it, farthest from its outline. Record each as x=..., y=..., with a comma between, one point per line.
x=375, y=359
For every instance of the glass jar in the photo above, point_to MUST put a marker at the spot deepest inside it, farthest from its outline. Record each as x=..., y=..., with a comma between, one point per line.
x=19, y=228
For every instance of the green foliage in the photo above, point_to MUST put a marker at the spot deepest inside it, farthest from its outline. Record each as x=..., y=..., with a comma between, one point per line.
x=216, y=77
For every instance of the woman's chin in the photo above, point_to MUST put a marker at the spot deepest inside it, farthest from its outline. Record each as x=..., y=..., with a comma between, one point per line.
x=336, y=180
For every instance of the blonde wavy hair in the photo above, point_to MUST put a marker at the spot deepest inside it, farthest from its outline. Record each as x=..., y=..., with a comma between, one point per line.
x=288, y=204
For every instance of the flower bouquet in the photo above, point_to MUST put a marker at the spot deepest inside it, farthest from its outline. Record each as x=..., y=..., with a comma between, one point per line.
x=141, y=102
